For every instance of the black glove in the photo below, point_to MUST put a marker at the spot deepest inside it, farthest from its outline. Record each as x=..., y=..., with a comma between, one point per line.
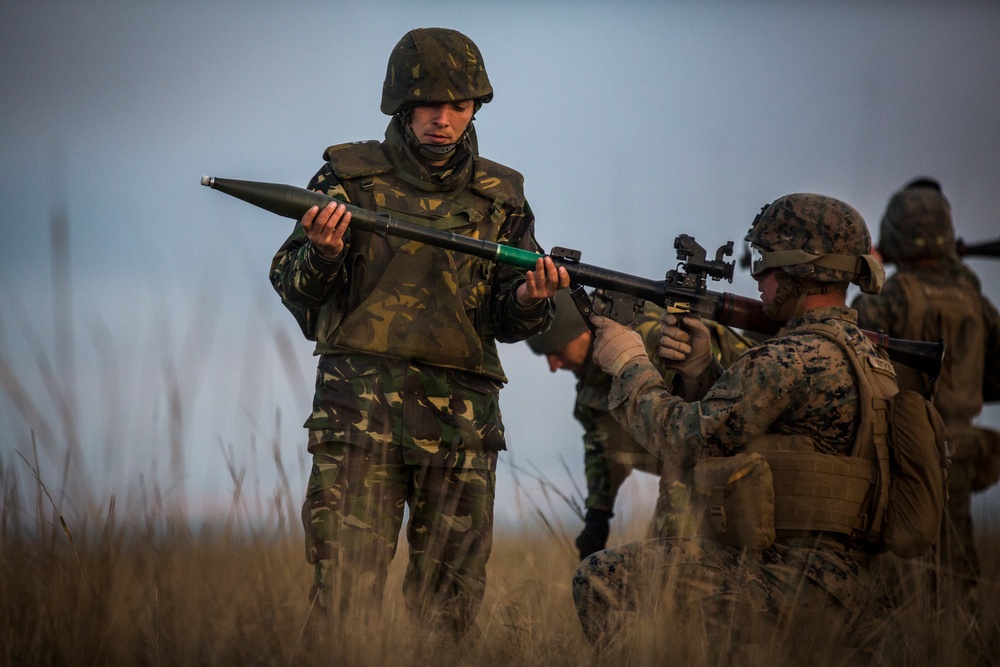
x=595, y=532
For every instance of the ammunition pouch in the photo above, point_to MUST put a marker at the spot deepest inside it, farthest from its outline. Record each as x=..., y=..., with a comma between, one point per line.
x=782, y=488
x=736, y=495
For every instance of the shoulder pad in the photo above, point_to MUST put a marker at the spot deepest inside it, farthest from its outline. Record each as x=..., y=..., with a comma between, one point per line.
x=495, y=181
x=357, y=159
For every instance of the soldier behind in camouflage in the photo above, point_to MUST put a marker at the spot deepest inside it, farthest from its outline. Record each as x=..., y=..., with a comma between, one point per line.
x=609, y=452
x=406, y=411
x=795, y=394
x=934, y=295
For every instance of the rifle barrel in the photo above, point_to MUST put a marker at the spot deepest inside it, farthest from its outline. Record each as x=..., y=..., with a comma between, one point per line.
x=984, y=249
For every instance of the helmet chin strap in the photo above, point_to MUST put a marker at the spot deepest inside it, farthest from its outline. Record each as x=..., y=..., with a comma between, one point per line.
x=436, y=152
x=790, y=289
x=430, y=152
x=787, y=290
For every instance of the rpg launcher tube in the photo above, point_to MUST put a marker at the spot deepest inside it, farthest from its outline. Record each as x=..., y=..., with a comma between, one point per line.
x=728, y=309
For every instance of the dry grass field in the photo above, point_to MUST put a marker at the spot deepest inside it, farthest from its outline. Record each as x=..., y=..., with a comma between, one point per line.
x=133, y=587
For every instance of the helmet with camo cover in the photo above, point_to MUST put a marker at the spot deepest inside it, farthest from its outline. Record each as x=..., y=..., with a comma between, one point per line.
x=431, y=66
x=814, y=238
x=567, y=325
x=917, y=224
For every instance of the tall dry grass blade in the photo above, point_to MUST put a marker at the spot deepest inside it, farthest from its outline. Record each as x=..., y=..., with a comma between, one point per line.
x=44, y=490
x=284, y=497
x=548, y=486
x=237, y=475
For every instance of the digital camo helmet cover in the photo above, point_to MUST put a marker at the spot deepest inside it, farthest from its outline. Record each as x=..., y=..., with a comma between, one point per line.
x=815, y=238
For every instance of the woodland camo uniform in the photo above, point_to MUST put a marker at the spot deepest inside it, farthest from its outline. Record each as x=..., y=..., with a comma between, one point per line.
x=406, y=411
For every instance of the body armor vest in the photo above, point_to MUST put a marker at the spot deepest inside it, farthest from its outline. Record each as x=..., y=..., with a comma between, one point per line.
x=889, y=492
x=410, y=300
x=826, y=492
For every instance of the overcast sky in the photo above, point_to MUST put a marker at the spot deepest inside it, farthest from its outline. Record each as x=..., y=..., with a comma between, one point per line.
x=155, y=351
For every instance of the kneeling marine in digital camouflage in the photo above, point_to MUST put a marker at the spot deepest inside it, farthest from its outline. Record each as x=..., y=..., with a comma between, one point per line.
x=406, y=410
x=785, y=450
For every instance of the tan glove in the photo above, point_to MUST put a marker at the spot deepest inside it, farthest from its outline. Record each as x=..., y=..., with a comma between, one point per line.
x=615, y=345
x=686, y=350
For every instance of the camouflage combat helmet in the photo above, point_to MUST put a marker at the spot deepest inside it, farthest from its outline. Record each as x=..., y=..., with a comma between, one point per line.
x=567, y=325
x=917, y=224
x=814, y=238
x=434, y=65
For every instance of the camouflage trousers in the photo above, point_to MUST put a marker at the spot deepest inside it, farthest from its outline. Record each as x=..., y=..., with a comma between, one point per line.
x=695, y=601
x=353, y=514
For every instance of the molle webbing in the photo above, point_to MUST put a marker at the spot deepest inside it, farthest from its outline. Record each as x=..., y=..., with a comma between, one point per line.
x=814, y=491
x=819, y=491
x=952, y=310
x=876, y=385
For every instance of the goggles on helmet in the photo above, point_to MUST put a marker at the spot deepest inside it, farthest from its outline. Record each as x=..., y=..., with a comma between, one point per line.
x=762, y=260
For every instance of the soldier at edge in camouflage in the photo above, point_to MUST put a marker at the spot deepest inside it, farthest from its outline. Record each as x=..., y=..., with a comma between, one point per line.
x=796, y=390
x=406, y=411
x=609, y=453
x=932, y=295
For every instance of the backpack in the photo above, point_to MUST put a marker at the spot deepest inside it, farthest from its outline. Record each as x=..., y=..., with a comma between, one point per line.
x=906, y=437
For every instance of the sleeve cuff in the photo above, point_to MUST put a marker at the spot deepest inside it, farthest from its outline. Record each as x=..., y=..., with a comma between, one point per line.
x=318, y=261
x=536, y=311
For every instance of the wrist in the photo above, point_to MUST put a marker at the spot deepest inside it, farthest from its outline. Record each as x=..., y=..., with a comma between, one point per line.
x=533, y=307
x=596, y=514
x=625, y=358
x=325, y=256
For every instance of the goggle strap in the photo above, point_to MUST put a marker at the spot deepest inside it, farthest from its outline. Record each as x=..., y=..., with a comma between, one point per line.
x=778, y=258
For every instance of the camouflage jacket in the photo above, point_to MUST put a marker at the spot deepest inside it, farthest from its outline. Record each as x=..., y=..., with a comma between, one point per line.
x=795, y=383
x=407, y=332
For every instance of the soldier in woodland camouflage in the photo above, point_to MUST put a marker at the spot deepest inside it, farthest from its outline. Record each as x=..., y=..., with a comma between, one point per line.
x=934, y=295
x=609, y=452
x=406, y=412
x=809, y=590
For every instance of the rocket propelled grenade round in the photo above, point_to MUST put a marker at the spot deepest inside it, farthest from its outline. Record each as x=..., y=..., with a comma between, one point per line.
x=291, y=202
